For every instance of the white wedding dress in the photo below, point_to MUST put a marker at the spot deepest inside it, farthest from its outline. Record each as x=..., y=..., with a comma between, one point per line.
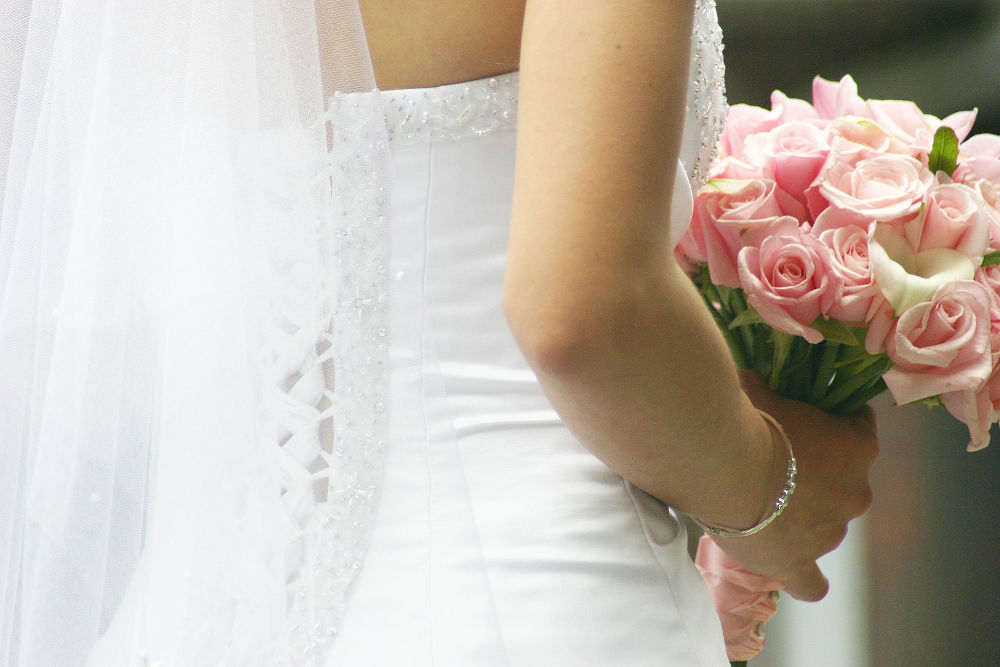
x=172, y=252
x=499, y=538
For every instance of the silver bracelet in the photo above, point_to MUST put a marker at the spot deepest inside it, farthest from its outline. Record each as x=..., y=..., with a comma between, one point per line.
x=779, y=504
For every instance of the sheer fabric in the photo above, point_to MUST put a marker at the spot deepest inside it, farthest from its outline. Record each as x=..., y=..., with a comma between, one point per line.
x=192, y=331
x=194, y=325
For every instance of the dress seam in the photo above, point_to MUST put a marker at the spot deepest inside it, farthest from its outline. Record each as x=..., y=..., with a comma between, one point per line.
x=428, y=465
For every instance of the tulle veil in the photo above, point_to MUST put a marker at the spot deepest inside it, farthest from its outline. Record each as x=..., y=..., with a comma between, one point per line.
x=193, y=310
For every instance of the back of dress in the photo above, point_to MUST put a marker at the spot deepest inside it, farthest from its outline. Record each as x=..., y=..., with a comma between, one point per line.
x=500, y=539
x=366, y=389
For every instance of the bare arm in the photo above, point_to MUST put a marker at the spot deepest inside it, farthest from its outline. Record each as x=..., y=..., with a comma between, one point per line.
x=615, y=331
x=620, y=340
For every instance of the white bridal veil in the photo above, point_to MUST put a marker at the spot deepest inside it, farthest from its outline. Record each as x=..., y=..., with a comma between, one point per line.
x=192, y=329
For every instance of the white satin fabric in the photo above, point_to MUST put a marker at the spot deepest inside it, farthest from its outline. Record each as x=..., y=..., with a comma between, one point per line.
x=581, y=568
x=195, y=387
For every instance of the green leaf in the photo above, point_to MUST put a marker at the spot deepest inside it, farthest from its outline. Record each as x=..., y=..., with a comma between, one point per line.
x=944, y=151
x=748, y=316
x=782, y=346
x=992, y=259
x=836, y=331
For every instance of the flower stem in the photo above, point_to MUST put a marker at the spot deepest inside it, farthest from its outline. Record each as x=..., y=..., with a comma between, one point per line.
x=782, y=346
x=824, y=374
x=740, y=305
x=865, y=373
x=711, y=297
x=858, y=399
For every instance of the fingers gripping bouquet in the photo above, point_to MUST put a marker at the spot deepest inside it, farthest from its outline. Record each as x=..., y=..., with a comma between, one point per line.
x=850, y=246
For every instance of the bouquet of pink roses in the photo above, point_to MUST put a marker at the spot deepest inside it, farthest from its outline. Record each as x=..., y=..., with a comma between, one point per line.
x=850, y=245
x=846, y=247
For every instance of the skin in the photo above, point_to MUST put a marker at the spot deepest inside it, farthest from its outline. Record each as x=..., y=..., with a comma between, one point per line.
x=418, y=44
x=615, y=331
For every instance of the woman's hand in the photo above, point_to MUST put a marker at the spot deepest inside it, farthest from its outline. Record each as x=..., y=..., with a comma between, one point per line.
x=835, y=456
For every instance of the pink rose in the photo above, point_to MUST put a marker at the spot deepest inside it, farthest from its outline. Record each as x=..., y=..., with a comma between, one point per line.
x=941, y=345
x=886, y=188
x=880, y=322
x=867, y=134
x=982, y=145
x=979, y=409
x=960, y=121
x=790, y=109
x=735, y=169
x=905, y=120
x=835, y=99
x=955, y=217
x=849, y=252
x=989, y=191
x=724, y=212
x=743, y=600
x=834, y=218
x=989, y=277
x=979, y=158
x=847, y=152
x=742, y=121
x=789, y=281
x=793, y=152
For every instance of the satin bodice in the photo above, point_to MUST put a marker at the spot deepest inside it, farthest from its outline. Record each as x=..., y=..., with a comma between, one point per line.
x=500, y=539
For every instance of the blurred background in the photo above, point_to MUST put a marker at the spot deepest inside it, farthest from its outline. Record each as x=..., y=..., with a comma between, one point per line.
x=918, y=581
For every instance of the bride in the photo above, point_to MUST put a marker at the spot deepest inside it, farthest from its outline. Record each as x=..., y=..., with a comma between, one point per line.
x=297, y=371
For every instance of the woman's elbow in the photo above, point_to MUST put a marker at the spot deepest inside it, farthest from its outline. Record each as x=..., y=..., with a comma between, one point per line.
x=559, y=336
x=550, y=342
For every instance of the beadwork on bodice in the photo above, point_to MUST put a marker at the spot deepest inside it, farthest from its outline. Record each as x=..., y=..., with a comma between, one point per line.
x=706, y=102
x=331, y=372
x=459, y=111
x=480, y=107
x=331, y=365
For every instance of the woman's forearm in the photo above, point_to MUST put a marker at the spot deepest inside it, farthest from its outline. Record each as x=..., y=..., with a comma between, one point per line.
x=617, y=334
x=648, y=386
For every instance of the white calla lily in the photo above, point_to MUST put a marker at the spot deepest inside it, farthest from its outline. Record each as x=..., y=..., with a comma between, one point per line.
x=906, y=277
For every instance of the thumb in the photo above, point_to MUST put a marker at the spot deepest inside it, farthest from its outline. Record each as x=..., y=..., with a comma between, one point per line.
x=808, y=585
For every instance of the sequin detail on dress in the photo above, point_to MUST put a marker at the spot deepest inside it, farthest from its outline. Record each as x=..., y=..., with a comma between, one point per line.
x=480, y=107
x=706, y=103
x=457, y=111
x=332, y=374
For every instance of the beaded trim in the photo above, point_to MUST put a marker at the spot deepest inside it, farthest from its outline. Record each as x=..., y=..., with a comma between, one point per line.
x=706, y=103
x=780, y=503
x=478, y=108
x=456, y=111
x=331, y=369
